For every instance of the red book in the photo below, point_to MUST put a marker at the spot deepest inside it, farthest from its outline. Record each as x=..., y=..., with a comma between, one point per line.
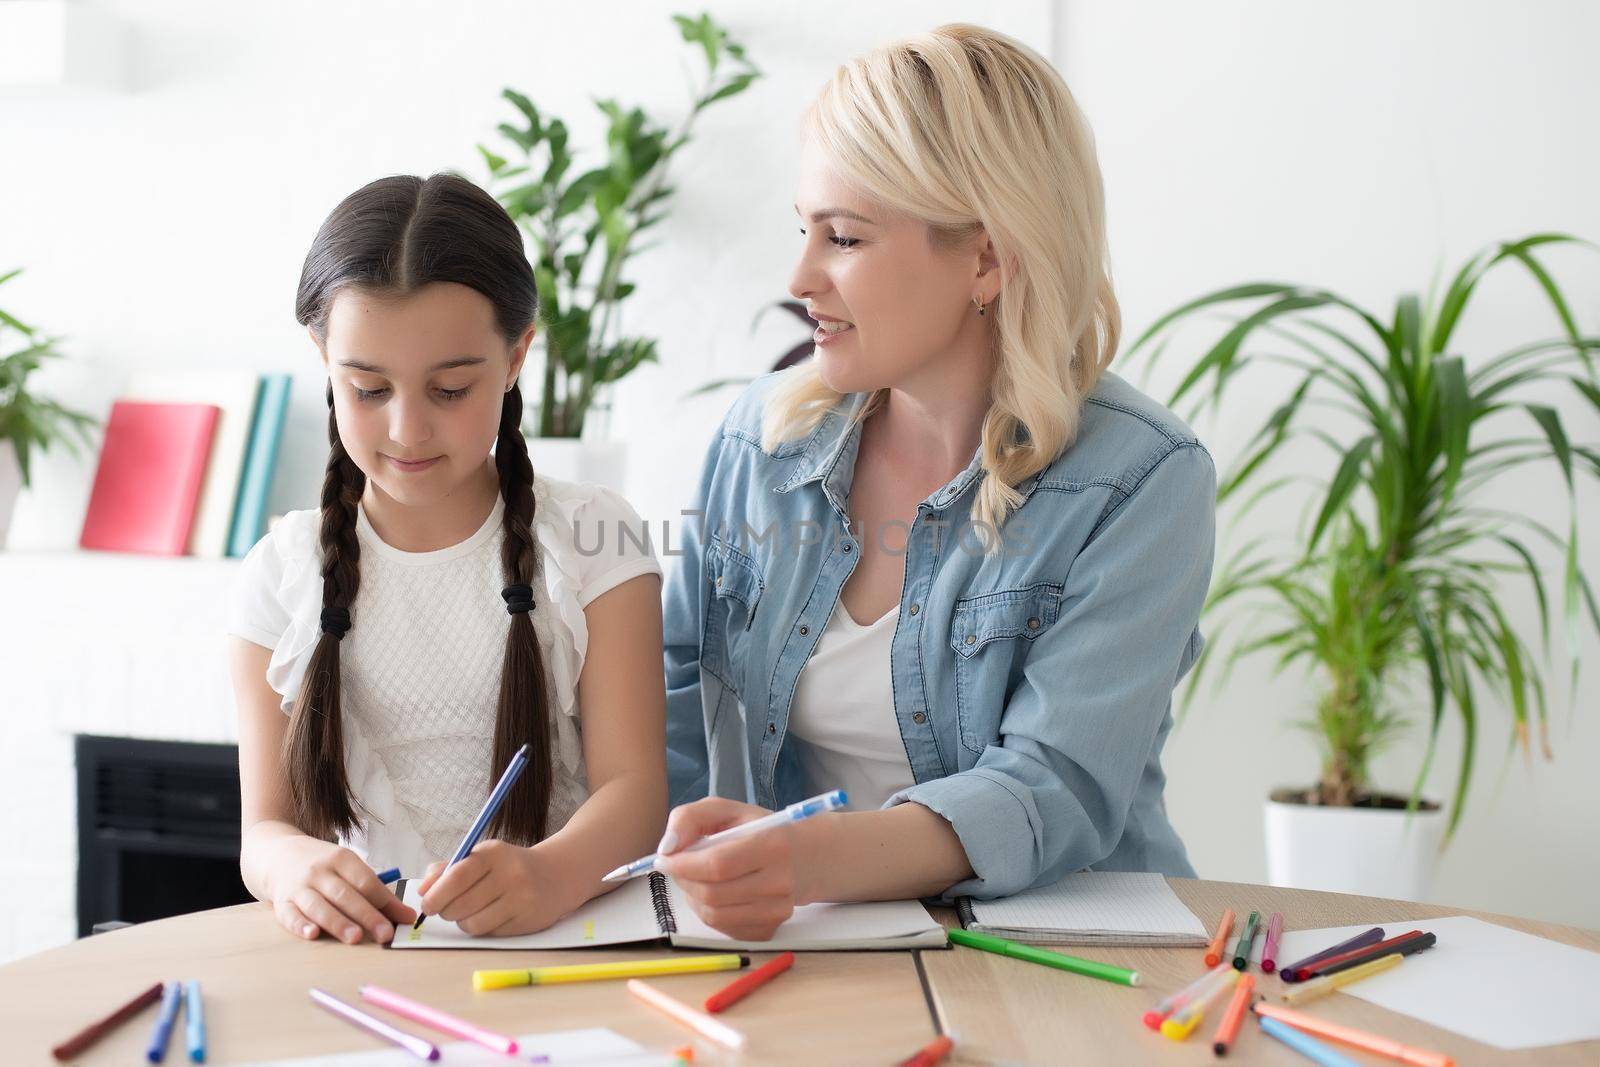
x=152, y=467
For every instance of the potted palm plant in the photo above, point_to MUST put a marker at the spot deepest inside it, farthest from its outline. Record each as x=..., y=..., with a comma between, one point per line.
x=1390, y=595
x=27, y=422
x=583, y=229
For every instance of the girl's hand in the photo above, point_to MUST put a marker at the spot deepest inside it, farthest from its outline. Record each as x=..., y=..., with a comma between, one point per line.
x=315, y=886
x=497, y=891
x=745, y=888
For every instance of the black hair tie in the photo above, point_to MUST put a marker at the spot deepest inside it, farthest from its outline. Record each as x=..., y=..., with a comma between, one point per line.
x=336, y=621
x=518, y=598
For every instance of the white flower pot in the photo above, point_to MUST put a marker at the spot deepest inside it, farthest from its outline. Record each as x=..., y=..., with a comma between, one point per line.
x=574, y=460
x=1369, y=851
x=10, y=486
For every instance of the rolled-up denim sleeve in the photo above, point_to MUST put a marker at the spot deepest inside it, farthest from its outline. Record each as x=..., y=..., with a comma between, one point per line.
x=1051, y=794
x=683, y=617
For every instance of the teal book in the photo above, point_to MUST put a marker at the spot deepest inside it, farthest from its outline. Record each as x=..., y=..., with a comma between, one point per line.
x=261, y=459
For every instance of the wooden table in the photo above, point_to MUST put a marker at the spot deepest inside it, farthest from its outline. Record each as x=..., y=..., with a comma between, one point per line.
x=1007, y=1012
x=835, y=1008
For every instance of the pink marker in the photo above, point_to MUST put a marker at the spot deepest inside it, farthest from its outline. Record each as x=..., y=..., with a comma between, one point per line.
x=438, y=1020
x=1269, y=951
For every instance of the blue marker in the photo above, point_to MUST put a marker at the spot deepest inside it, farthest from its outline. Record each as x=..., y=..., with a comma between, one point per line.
x=171, y=997
x=1305, y=1044
x=793, y=813
x=507, y=780
x=194, y=1014
x=390, y=876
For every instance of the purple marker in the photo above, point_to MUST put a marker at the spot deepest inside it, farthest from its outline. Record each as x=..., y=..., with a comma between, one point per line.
x=1361, y=940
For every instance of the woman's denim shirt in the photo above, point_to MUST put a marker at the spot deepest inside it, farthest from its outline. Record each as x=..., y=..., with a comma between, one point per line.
x=1032, y=686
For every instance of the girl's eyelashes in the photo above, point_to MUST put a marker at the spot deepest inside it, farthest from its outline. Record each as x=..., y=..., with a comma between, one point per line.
x=840, y=239
x=379, y=394
x=369, y=394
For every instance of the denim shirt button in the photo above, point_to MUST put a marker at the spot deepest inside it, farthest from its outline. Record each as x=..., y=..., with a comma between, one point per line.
x=915, y=609
x=972, y=639
x=772, y=727
x=918, y=717
x=1033, y=624
x=804, y=630
x=847, y=546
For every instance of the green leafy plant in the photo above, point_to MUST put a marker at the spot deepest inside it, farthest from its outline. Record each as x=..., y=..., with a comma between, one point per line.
x=32, y=422
x=1394, y=580
x=569, y=218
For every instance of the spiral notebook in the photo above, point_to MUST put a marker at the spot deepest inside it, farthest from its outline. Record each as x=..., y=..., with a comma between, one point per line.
x=1090, y=908
x=653, y=909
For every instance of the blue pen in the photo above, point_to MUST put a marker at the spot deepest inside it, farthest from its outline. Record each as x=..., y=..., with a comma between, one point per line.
x=390, y=876
x=194, y=1019
x=793, y=813
x=170, y=999
x=1305, y=1044
x=507, y=780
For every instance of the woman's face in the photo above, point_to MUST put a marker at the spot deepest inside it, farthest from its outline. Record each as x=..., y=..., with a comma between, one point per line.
x=891, y=307
x=418, y=383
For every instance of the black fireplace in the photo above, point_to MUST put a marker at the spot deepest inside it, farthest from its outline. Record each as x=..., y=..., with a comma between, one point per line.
x=158, y=829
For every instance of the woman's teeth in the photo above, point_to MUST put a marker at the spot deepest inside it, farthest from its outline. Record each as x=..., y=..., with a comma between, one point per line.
x=833, y=327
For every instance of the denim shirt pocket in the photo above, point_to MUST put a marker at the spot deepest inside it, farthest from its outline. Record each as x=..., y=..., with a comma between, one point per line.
x=990, y=636
x=736, y=586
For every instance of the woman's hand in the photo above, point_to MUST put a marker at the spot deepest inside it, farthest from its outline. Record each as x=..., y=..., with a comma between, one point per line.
x=745, y=888
x=498, y=890
x=314, y=886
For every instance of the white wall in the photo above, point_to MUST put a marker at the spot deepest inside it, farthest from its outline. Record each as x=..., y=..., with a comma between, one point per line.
x=164, y=227
x=1361, y=146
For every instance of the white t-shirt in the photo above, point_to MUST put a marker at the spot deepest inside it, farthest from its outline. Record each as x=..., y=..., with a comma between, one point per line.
x=420, y=667
x=842, y=716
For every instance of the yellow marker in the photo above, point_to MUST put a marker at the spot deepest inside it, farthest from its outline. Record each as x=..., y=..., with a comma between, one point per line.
x=1319, y=987
x=1183, y=1021
x=1178, y=1031
x=599, y=972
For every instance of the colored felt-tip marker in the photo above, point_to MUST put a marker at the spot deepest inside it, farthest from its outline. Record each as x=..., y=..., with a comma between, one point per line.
x=1059, y=960
x=1361, y=940
x=1321, y=987
x=194, y=1021
x=435, y=1019
x=930, y=1054
x=1219, y=943
x=483, y=981
x=1173, y=1001
x=793, y=813
x=390, y=877
x=1183, y=1021
x=1247, y=940
x=161, y=1035
x=744, y=985
x=1305, y=1044
x=1405, y=945
x=702, y=1024
x=513, y=771
x=86, y=1037
x=418, y=1047
x=1233, y=1015
x=1269, y=950
x=1361, y=1039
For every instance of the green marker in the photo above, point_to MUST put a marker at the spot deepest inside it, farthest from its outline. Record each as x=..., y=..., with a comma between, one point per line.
x=1247, y=938
x=1001, y=947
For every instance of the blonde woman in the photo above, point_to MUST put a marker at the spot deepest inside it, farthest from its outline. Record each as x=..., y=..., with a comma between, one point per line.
x=950, y=564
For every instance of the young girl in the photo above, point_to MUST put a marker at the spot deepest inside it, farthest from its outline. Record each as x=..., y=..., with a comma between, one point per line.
x=395, y=647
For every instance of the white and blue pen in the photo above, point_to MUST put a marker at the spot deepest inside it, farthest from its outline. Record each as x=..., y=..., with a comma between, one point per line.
x=507, y=780
x=793, y=813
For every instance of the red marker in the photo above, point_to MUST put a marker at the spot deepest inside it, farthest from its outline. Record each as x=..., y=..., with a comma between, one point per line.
x=1405, y=944
x=929, y=1054
x=743, y=986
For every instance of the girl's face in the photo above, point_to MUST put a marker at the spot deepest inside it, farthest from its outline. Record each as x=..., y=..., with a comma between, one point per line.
x=418, y=383
x=891, y=307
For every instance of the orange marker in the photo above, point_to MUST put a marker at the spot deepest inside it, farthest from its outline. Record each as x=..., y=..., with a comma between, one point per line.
x=1215, y=949
x=1229, y=1028
x=1374, y=1043
x=743, y=986
x=929, y=1054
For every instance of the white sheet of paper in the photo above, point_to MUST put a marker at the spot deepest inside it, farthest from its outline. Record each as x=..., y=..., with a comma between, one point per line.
x=624, y=915
x=1493, y=984
x=1111, y=907
x=597, y=1047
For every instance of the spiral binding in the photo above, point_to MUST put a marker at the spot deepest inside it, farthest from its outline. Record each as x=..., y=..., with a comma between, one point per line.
x=661, y=900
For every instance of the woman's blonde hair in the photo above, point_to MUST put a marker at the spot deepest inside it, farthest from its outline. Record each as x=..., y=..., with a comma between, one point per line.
x=971, y=131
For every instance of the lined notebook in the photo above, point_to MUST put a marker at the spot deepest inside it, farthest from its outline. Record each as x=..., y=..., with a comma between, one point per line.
x=653, y=909
x=1090, y=908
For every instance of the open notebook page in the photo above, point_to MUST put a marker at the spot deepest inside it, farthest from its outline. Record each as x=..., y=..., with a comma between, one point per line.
x=817, y=927
x=1092, y=907
x=621, y=916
